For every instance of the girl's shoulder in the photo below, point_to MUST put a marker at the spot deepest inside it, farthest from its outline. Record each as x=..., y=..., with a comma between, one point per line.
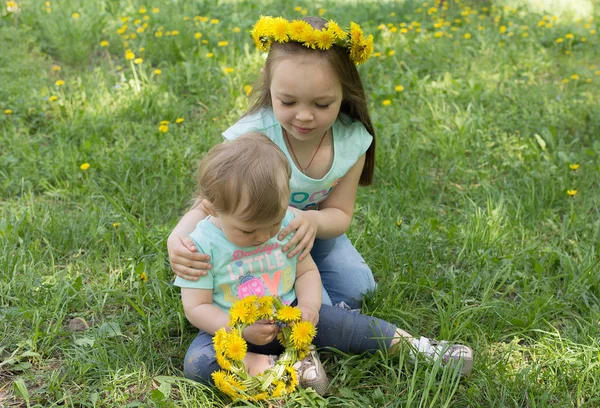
x=262, y=120
x=351, y=135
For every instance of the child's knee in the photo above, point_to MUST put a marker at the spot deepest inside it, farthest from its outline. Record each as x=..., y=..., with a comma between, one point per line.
x=198, y=366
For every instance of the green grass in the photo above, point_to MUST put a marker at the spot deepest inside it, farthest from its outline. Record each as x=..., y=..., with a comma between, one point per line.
x=473, y=155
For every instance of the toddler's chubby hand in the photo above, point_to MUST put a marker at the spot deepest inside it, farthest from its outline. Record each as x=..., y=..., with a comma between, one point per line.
x=309, y=313
x=185, y=260
x=262, y=332
x=305, y=232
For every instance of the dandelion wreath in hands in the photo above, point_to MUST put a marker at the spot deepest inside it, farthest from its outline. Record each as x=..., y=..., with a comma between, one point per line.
x=294, y=335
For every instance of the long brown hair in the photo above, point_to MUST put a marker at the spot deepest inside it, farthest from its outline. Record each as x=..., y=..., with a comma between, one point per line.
x=354, y=102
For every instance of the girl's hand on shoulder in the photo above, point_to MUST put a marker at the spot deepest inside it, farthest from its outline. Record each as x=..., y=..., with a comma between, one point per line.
x=185, y=260
x=304, y=237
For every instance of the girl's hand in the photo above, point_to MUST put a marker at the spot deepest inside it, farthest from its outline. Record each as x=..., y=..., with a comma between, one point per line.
x=185, y=260
x=304, y=237
x=262, y=332
x=310, y=314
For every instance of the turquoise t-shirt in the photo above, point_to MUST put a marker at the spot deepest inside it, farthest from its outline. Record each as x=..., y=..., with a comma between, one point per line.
x=350, y=141
x=238, y=272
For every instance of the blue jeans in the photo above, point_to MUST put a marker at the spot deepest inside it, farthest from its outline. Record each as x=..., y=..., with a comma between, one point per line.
x=345, y=275
x=346, y=331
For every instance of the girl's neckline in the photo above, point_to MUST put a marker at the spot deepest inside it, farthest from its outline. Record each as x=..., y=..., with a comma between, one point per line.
x=294, y=164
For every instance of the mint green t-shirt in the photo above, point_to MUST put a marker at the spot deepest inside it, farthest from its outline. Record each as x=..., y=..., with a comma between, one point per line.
x=238, y=272
x=350, y=141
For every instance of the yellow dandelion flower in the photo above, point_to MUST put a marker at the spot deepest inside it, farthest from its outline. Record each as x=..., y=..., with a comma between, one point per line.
x=303, y=334
x=133, y=35
x=572, y=193
x=75, y=15
x=163, y=128
x=158, y=34
x=261, y=396
x=229, y=70
x=391, y=52
x=279, y=29
x=559, y=40
x=164, y=122
x=116, y=224
x=325, y=39
x=574, y=166
x=356, y=33
x=140, y=30
x=222, y=43
x=279, y=389
x=236, y=348
x=220, y=340
x=104, y=43
x=155, y=10
x=569, y=36
x=310, y=39
x=214, y=21
x=236, y=29
x=438, y=34
x=60, y=82
x=142, y=10
x=144, y=277
x=209, y=55
x=247, y=89
x=565, y=81
x=297, y=28
x=467, y=36
x=175, y=32
x=56, y=68
x=197, y=36
x=53, y=98
x=575, y=77
x=236, y=312
x=85, y=166
x=399, y=88
x=502, y=29
x=293, y=381
x=8, y=111
x=597, y=72
x=138, y=61
x=129, y=55
x=321, y=11
x=386, y=102
x=337, y=30
x=289, y=314
x=377, y=54
x=179, y=120
x=592, y=32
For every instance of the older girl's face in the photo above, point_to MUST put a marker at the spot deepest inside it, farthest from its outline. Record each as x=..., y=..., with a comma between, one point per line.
x=306, y=96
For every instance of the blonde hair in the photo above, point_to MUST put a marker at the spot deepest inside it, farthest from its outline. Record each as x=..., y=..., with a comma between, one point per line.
x=248, y=176
x=354, y=102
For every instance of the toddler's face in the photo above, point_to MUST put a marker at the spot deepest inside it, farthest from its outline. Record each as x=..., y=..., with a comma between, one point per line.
x=247, y=234
x=306, y=95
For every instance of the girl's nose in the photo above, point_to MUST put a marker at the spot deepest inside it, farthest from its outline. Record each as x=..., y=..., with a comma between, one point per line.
x=304, y=115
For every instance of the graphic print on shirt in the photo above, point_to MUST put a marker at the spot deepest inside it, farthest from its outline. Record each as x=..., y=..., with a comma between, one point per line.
x=310, y=201
x=261, y=272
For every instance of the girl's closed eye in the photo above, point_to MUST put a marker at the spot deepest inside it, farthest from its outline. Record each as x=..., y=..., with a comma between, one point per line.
x=284, y=103
x=322, y=106
x=247, y=232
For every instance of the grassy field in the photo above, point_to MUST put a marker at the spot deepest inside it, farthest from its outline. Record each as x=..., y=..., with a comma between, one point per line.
x=483, y=225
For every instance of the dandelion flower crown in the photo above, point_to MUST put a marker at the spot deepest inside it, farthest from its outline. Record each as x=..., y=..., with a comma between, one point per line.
x=268, y=29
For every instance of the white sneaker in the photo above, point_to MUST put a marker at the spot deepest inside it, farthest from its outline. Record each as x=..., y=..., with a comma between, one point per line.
x=311, y=373
x=451, y=354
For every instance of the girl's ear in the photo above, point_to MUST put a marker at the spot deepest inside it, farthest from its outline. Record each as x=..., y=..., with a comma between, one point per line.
x=208, y=206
